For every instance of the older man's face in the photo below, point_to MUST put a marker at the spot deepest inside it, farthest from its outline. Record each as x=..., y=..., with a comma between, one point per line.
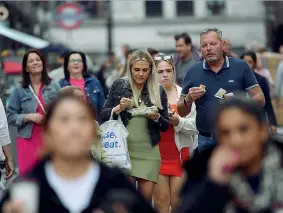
x=211, y=47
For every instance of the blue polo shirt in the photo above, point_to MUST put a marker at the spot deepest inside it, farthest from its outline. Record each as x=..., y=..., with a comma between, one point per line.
x=235, y=75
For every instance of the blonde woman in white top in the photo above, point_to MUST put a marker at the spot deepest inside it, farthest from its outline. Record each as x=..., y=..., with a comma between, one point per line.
x=176, y=142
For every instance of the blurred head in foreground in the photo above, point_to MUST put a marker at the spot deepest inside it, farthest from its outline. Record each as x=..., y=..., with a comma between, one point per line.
x=72, y=90
x=68, y=127
x=241, y=126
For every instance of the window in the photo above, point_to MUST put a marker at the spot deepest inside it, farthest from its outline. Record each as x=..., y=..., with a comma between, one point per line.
x=153, y=8
x=216, y=7
x=185, y=8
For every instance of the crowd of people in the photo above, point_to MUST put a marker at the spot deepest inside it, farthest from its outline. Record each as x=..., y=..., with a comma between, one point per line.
x=198, y=128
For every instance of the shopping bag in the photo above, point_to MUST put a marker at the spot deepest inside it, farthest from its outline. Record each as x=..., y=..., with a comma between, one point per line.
x=114, y=139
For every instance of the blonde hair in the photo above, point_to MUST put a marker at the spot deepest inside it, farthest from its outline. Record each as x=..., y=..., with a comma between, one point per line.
x=152, y=84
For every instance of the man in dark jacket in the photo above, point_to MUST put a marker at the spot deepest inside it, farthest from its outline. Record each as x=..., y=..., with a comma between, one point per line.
x=268, y=107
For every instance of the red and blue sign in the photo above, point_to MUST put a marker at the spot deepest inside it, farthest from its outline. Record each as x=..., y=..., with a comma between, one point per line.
x=69, y=15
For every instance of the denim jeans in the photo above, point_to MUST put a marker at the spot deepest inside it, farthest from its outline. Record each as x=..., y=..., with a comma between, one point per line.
x=205, y=143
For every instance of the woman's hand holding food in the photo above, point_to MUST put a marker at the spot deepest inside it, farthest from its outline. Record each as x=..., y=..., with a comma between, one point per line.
x=124, y=103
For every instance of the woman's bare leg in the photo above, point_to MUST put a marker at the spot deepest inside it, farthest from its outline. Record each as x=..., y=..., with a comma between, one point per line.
x=162, y=194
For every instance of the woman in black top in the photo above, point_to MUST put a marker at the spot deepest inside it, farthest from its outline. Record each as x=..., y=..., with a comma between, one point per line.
x=244, y=173
x=138, y=91
x=69, y=180
x=251, y=59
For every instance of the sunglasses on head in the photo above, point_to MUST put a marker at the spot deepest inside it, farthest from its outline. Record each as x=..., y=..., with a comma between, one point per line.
x=163, y=58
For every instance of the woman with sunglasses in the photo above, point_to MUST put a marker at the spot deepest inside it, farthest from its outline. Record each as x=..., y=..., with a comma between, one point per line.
x=175, y=142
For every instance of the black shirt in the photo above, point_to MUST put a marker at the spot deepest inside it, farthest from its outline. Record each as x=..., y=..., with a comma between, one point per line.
x=110, y=180
x=268, y=104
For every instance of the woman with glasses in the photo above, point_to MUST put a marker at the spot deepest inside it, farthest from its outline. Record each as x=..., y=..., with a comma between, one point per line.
x=26, y=108
x=176, y=142
x=138, y=91
x=76, y=74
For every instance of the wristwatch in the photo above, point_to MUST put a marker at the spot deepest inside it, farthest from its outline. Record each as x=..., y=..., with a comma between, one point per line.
x=186, y=99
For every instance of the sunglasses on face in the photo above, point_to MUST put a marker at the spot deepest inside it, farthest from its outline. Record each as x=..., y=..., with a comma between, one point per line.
x=163, y=58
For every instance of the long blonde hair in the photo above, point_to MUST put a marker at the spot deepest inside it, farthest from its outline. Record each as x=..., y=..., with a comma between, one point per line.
x=152, y=84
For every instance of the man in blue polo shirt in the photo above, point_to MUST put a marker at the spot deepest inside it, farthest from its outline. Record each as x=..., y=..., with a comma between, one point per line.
x=216, y=72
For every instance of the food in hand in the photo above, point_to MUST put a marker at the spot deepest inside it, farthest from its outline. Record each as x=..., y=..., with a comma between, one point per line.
x=132, y=103
x=143, y=110
x=202, y=87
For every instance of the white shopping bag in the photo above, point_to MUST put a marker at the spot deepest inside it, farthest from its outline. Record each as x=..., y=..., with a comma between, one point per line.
x=114, y=139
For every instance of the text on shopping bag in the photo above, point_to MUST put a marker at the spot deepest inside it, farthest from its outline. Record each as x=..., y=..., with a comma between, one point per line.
x=112, y=140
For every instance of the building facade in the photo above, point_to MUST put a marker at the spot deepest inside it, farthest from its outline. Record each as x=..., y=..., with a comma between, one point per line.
x=142, y=24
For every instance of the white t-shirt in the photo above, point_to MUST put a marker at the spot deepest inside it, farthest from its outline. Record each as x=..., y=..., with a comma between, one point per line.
x=75, y=195
x=57, y=74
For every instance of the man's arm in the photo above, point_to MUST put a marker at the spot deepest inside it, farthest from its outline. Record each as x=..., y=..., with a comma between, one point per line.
x=184, y=106
x=252, y=86
x=257, y=94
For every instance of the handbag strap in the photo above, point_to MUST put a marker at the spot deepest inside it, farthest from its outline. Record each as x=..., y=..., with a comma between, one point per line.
x=37, y=99
x=111, y=116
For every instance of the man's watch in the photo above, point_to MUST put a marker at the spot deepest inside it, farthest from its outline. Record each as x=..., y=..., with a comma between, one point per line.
x=186, y=99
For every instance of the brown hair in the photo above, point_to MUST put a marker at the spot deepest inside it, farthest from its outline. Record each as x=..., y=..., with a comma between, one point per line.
x=184, y=36
x=45, y=152
x=61, y=98
x=152, y=51
x=26, y=76
x=69, y=90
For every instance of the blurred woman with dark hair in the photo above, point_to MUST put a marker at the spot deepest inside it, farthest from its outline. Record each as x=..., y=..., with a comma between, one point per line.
x=97, y=149
x=26, y=107
x=251, y=59
x=69, y=179
x=76, y=74
x=244, y=172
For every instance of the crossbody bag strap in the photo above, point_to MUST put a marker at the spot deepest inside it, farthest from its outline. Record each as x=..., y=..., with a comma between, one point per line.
x=37, y=99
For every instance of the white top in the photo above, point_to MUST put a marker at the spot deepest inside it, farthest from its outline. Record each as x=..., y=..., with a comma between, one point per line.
x=75, y=195
x=186, y=131
x=4, y=131
x=57, y=74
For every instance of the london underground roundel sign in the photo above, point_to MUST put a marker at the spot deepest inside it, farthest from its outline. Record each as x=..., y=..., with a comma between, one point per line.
x=69, y=15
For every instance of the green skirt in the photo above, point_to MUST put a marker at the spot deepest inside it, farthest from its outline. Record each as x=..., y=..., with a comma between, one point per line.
x=145, y=159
